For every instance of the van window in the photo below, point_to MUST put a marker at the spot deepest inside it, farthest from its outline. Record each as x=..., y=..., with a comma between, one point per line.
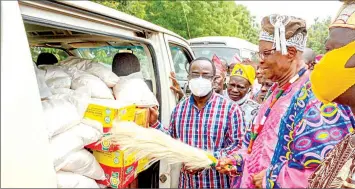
x=181, y=61
x=105, y=55
x=59, y=53
x=222, y=52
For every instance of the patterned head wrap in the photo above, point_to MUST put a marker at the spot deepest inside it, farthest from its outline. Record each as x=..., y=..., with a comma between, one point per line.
x=284, y=31
x=245, y=71
x=345, y=17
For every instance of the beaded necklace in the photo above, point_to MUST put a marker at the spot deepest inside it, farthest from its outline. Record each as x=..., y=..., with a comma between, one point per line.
x=267, y=113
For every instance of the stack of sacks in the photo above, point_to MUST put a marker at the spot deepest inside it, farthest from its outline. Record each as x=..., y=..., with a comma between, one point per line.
x=74, y=73
x=132, y=89
x=66, y=89
x=68, y=134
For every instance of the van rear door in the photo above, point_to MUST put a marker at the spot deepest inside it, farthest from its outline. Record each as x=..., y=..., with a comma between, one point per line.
x=25, y=156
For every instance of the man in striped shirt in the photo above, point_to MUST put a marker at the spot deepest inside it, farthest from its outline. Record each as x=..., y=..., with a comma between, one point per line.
x=207, y=121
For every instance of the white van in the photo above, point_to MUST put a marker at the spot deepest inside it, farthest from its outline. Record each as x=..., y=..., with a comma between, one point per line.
x=82, y=29
x=223, y=47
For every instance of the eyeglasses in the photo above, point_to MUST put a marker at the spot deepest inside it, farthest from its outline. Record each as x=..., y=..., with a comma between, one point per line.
x=266, y=53
x=205, y=76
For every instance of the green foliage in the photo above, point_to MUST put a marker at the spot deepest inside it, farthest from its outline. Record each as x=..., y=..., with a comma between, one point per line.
x=317, y=35
x=192, y=19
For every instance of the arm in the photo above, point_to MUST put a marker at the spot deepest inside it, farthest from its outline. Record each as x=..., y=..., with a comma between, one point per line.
x=157, y=125
x=230, y=154
x=233, y=136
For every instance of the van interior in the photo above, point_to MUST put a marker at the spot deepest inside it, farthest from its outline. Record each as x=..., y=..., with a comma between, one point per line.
x=63, y=43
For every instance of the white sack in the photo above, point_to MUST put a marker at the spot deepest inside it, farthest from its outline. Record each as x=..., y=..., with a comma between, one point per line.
x=61, y=91
x=63, y=111
x=89, y=133
x=98, y=87
x=79, y=63
x=104, y=73
x=56, y=77
x=44, y=90
x=84, y=163
x=92, y=67
x=72, y=180
x=62, y=145
x=134, y=91
x=59, y=115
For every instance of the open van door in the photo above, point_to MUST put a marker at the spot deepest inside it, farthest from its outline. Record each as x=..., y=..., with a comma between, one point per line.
x=25, y=156
x=180, y=56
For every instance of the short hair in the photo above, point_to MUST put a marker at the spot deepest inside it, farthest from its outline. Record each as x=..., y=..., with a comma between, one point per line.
x=206, y=59
x=124, y=64
x=46, y=59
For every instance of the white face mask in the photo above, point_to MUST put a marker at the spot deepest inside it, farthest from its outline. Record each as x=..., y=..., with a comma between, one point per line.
x=200, y=86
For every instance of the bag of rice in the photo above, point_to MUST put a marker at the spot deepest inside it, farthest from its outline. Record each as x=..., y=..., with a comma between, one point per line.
x=72, y=180
x=56, y=77
x=84, y=163
x=62, y=145
x=63, y=111
x=98, y=87
x=44, y=90
x=104, y=73
x=134, y=91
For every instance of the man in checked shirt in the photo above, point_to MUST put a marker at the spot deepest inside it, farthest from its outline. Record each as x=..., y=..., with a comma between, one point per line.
x=207, y=121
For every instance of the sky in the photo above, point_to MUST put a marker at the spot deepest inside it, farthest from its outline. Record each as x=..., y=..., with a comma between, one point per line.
x=308, y=10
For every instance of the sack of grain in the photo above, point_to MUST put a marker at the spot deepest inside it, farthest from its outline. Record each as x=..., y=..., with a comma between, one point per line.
x=63, y=111
x=72, y=180
x=84, y=163
x=98, y=87
x=133, y=90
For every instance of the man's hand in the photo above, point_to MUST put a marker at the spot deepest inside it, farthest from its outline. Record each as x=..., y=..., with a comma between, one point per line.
x=154, y=114
x=225, y=166
x=187, y=170
x=258, y=179
x=176, y=87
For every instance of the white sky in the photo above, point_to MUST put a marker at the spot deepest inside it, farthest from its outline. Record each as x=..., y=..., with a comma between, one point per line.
x=307, y=10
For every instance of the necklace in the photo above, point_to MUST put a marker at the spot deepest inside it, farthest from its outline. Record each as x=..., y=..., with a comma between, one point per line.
x=255, y=134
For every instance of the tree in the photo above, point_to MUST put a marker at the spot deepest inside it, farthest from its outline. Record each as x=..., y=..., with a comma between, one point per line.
x=317, y=35
x=192, y=19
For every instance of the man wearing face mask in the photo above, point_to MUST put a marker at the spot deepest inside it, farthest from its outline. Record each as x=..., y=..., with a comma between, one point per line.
x=291, y=133
x=207, y=121
x=337, y=69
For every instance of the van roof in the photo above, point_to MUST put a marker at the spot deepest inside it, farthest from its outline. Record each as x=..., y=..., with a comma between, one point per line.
x=113, y=13
x=233, y=42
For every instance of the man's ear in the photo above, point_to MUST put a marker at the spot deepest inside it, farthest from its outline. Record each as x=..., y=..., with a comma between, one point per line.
x=292, y=53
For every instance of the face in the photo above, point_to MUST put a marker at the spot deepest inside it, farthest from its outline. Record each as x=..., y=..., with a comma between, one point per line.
x=259, y=76
x=218, y=81
x=339, y=37
x=273, y=64
x=201, y=68
x=265, y=86
x=237, y=88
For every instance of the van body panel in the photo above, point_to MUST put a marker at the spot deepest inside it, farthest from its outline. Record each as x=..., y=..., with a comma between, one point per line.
x=25, y=157
x=120, y=16
x=81, y=16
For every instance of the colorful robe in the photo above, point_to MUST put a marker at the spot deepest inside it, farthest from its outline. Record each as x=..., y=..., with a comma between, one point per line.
x=296, y=137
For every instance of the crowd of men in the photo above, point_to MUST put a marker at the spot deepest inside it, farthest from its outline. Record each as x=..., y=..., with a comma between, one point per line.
x=296, y=131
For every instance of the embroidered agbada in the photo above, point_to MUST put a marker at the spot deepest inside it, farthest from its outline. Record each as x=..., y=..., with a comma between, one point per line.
x=291, y=150
x=338, y=168
x=249, y=109
x=216, y=127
